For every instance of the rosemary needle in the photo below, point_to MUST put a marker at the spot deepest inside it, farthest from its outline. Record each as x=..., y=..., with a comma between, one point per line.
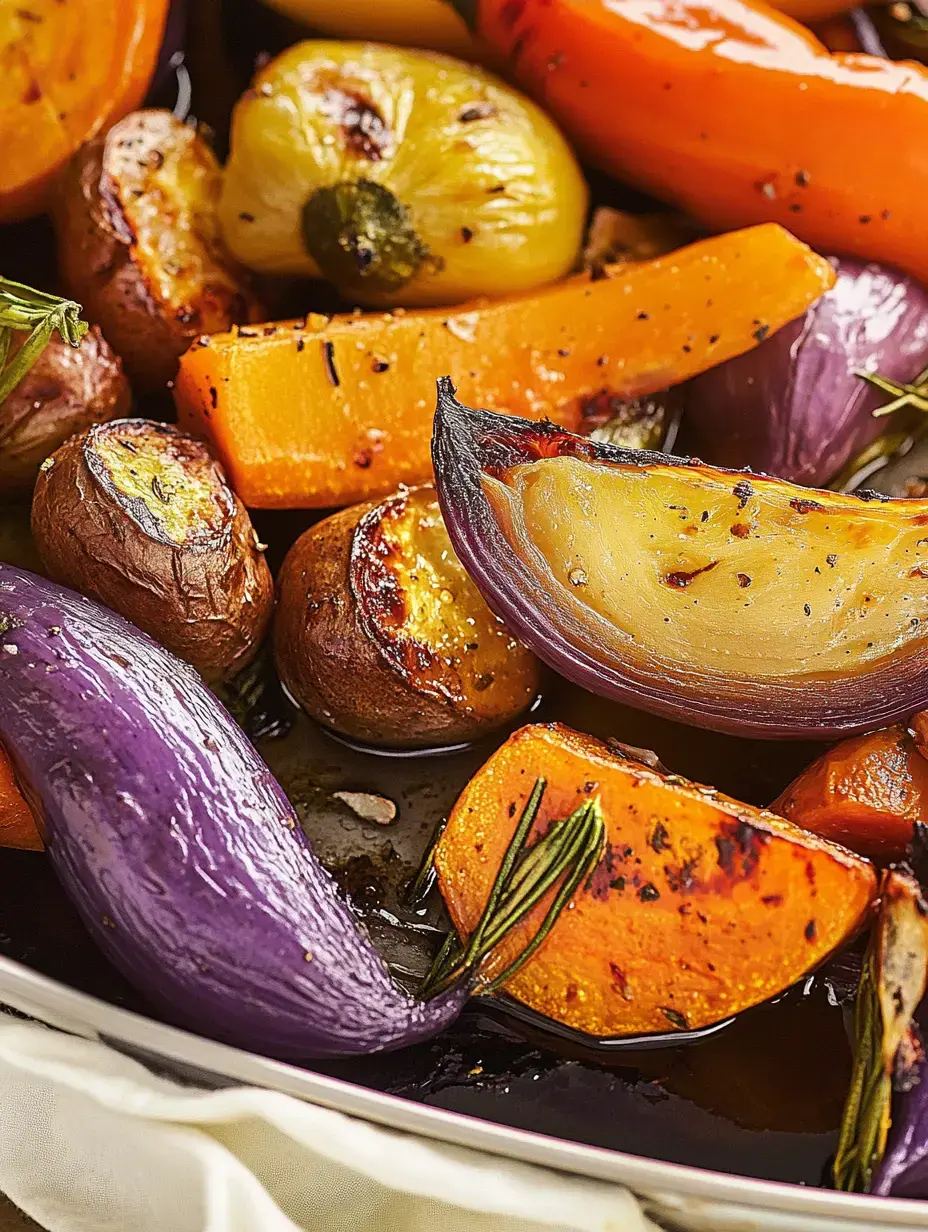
x=25, y=310
x=564, y=857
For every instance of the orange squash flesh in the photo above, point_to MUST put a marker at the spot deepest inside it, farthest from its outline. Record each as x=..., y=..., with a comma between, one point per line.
x=866, y=792
x=700, y=907
x=17, y=826
x=334, y=411
x=68, y=70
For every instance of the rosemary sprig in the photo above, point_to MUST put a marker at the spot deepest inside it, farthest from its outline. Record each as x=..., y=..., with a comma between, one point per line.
x=567, y=854
x=913, y=395
x=865, y=1123
x=25, y=310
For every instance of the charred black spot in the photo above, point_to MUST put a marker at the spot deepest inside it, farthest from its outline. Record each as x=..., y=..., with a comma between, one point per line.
x=675, y=1018
x=364, y=129
x=467, y=234
x=740, y=530
x=811, y=932
x=660, y=839
x=680, y=579
x=739, y=845
x=484, y=110
x=761, y=333
x=619, y=981
x=772, y=900
x=213, y=396
x=649, y=893
x=743, y=491
x=801, y=505
x=743, y=580
x=681, y=879
x=328, y=357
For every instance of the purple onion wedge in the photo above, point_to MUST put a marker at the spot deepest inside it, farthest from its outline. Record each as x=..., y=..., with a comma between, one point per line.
x=724, y=599
x=793, y=407
x=178, y=847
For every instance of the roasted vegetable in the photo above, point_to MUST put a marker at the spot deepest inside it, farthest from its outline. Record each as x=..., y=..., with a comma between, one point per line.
x=327, y=412
x=66, y=76
x=139, y=516
x=402, y=177
x=729, y=600
x=671, y=98
x=418, y=23
x=699, y=907
x=381, y=635
x=66, y=390
x=867, y=793
x=139, y=244
x=887, y=1050
x=795, y=406
x=17, y=827
x=176, y=844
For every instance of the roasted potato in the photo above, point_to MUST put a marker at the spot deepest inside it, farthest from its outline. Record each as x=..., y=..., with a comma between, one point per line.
x=382, y=636
x=67, y=389
x=139, y=243
x=139, y=516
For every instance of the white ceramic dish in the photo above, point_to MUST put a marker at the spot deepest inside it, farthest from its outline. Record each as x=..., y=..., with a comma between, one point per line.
x=681, y=1198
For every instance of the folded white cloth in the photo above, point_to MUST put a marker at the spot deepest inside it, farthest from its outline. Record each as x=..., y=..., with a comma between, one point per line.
x=91, y=1141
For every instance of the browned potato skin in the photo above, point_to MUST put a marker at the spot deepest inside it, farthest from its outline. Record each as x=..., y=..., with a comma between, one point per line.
x=66, y=390
x=349, y=673
x=208, y=600
x=157, y=284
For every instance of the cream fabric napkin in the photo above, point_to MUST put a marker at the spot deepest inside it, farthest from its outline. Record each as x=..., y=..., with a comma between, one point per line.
x=91, y=1141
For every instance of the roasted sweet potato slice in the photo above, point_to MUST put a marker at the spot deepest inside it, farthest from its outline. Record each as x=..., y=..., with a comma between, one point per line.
x=867, y=793
x=700, y=907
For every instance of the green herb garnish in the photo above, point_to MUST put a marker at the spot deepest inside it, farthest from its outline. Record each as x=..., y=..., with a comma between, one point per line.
x=24, y=310
x=564, y=857
x=913, y=395
x=865, y=1123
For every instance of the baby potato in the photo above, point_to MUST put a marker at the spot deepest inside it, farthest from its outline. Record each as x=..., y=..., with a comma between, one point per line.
x=66, y=389
x=403, y=177
x=139, y=516
x=139, y=243
x=382, y=636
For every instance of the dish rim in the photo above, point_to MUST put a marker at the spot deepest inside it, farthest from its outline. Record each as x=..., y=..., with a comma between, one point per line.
x=68, y=1009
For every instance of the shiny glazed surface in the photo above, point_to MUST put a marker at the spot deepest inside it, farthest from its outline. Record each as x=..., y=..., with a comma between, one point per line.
x=733, y=112
x=795, y=406
x=612, y=567
x=172, y=837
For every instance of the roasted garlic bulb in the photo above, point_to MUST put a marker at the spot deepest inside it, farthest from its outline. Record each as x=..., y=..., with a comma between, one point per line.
x=403, y=177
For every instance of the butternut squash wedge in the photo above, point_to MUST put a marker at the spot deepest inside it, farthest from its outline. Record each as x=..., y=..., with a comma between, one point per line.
x=331, y=411
x=700, y=906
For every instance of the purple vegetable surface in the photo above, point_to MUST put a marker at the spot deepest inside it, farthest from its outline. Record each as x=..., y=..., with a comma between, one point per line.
x=903, y=1172
x=177, y=845
x=793, y=407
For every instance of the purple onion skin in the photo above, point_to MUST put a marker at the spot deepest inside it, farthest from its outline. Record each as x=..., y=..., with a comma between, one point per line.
x=903, y=1171
x=177, y=845
x=467, y=444
x=793, y=407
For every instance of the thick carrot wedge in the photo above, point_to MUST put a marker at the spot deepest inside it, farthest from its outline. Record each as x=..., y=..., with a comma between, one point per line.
x=700, y=907
x=17, y=827
x=332, y=411
x=866, y=792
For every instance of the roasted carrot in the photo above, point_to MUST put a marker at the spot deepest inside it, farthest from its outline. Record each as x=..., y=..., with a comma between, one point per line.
x=17, y=826
x=328, y=412
x=700, y=907
x=866, y=792
x=733, y=112
x=69, y=71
